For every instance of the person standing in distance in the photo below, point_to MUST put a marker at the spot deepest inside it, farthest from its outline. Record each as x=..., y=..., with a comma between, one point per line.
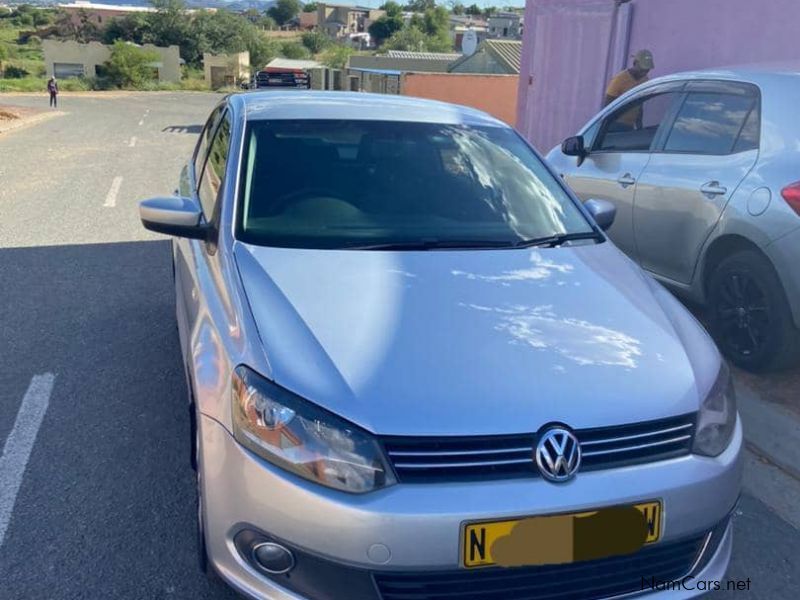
x=52, y=87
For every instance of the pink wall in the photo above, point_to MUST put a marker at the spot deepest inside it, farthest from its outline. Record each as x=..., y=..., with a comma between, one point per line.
x=494, y=94
x=570, y=47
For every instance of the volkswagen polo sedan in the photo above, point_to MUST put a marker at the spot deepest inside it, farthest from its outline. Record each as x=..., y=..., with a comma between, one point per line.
x=418, y=369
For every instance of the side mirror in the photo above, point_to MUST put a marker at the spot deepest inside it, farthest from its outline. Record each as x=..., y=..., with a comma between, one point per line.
x=603, y=212
x=174, y=215
x=574, y=146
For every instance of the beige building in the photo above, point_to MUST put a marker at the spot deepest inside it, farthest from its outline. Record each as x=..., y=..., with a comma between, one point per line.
x=73, y=59
x=222, y=70
x=340, y=21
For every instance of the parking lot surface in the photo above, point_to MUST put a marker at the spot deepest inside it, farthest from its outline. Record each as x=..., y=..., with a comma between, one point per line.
x=97, y=496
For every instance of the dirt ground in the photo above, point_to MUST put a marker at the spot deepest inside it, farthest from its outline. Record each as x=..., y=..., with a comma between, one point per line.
x=13, y=117
x=9, y=112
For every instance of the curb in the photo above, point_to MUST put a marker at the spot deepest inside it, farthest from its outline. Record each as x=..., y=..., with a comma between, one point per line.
x=770, y=430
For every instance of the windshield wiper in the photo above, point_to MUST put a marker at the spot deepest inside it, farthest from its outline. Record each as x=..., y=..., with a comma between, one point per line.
x=431, y=244
x=551, y=241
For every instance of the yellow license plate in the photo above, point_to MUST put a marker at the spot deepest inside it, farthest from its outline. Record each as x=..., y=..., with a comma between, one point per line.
x=564, y=538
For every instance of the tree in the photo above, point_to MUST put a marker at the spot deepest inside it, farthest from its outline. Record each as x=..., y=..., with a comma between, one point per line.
x=336, y=57
x=489, y=11
x=310, y=7
x=284, y=11
x=393, y=9
x=420, y=5
x=436, y=26
x=169, y=25
x=252, y=15
x=315, y=41
x=411, y=38
x=267, y=23
x=294, y=50
x=474, y=10
x=384, y=27
x=3, y=56
x=456, y=7
x=130, y=28
x=130, y=65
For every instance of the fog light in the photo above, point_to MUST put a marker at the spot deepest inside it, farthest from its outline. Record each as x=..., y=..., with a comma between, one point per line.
x=273, y=558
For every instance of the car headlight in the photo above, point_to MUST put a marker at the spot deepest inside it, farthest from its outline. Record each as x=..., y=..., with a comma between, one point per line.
x=717, y=417
x=293, y=434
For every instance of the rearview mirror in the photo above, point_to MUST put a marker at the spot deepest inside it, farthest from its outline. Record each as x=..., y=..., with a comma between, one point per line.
x=603, y=212
x=174, y=215
x=574, y=146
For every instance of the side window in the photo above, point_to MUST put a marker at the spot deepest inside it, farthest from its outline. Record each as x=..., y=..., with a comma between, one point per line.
x=750, y=136
x=214, y=171
x=633, y=127
x=710, y=123
x=590, y=134
x=201, y=150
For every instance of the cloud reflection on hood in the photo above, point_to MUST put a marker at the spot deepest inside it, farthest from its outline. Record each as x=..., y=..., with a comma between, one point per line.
x=541, y=268
x=578, y=340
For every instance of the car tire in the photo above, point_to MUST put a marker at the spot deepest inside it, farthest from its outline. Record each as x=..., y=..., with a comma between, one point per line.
x=750, y=317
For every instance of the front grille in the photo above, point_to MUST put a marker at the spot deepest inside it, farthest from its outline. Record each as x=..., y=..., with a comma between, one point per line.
x=577, y=581
x=450, y=458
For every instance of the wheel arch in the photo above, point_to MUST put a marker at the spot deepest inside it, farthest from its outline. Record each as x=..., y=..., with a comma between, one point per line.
x=725, y=245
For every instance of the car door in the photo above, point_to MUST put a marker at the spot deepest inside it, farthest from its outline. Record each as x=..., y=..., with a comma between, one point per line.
x=186, y=251
x=700, y=161
x=619, y=149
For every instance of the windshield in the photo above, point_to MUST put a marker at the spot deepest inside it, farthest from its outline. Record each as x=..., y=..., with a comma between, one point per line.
x=351, y=184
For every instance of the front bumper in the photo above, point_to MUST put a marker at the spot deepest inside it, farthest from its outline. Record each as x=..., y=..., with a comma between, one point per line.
x=416, y=527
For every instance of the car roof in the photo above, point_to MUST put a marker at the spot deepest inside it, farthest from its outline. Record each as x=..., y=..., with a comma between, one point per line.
x=312, y=104
x=760, y=74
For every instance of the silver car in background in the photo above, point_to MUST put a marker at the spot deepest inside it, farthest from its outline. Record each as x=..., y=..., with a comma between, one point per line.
x=418, y=369
x=703, y=170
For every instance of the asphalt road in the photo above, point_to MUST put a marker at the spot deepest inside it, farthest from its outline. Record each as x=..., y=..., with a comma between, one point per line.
x=106, y=500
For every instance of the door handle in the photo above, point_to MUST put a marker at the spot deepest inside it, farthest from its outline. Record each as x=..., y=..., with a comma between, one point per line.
x=626, y=180
x=713, y=188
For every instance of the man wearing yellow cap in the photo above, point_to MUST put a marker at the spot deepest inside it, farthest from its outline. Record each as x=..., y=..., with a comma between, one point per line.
x=631, y=77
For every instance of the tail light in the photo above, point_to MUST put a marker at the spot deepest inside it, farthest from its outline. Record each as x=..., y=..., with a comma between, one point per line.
x=791, y=193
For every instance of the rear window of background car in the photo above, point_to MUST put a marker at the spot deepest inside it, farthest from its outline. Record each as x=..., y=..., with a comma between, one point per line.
x=712, y=123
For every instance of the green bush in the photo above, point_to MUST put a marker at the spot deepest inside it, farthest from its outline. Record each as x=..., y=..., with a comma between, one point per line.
x=294, y=50
x=337, y=57
x=131, y=66
x=14, y=72
x=316, y=41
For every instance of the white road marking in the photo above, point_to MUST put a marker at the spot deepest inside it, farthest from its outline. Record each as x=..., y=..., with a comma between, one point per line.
x=18, y=446
x=111, y=197
x=133, y=142
x=141, y=121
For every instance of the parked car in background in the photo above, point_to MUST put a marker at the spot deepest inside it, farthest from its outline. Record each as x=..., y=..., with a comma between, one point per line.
x=281, y=77
x=418, y=369
x=704, y=169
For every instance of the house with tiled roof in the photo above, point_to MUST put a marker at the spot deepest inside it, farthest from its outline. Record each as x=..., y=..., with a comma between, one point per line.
x=499, y=57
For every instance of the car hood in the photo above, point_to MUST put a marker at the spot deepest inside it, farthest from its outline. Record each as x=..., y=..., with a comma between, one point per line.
x=475, y=342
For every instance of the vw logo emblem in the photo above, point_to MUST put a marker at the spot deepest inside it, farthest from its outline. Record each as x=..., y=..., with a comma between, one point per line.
x=558, y=454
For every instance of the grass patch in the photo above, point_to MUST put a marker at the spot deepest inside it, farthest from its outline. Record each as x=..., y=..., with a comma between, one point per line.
x=39, y=84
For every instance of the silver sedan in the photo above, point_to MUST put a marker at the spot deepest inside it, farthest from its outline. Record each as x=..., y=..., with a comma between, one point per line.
x=702, y=168
x=417, y=367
